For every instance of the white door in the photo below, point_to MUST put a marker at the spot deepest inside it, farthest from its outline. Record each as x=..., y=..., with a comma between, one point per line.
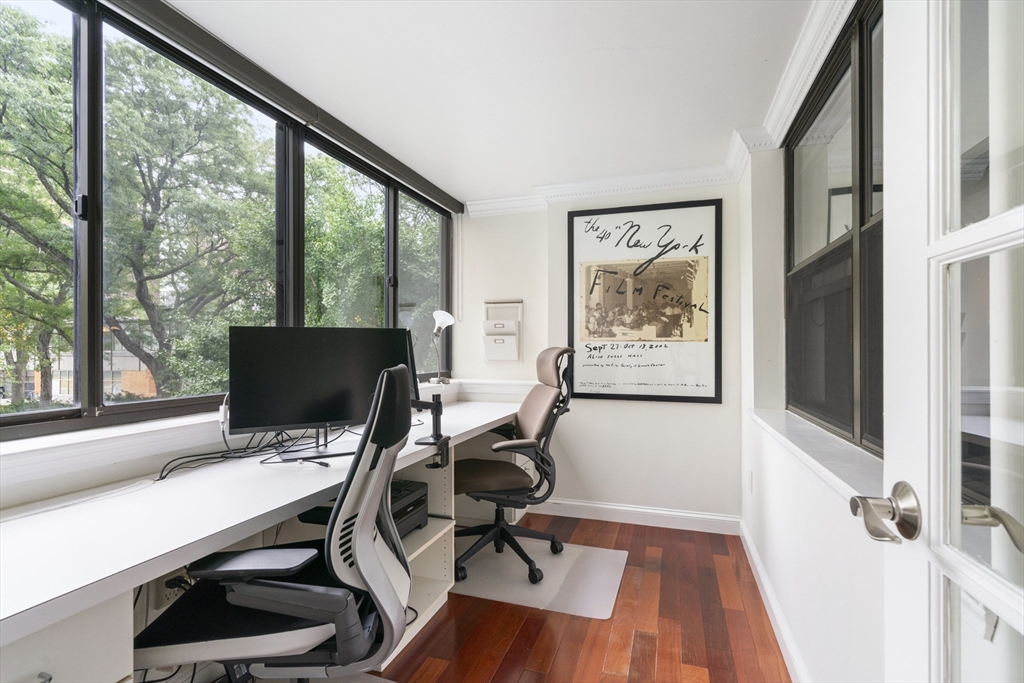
x=954, y=336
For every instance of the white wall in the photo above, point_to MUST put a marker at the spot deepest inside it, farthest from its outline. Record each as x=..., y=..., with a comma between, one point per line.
x=820, y=574
x=677, y=462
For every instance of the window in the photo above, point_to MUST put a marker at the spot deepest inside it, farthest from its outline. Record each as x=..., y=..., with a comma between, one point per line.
x=420, y=236
x=834, y=195
x=192, y=205
x=37, y=224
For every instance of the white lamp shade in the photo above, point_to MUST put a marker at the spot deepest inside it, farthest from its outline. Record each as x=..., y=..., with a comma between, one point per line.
x=442, y=319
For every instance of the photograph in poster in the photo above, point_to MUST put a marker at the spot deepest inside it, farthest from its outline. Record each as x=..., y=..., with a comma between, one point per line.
x=644, y=313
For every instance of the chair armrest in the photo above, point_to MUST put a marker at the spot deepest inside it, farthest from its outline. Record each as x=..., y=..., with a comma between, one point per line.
x=242, y=565
x=513, y=445
x=507, y=430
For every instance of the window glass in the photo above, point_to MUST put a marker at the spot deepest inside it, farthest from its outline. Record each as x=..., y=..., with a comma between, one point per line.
x=188, y=225
x=986, y=338
x=991, y=108
x=819, y=339
x=419, y=277
x=344, y=239
x=871, y=335
x=37, y=175
x=822, y=177
x=876, y=118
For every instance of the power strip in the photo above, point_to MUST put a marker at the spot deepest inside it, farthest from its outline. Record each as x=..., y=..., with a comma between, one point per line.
x=161, y=595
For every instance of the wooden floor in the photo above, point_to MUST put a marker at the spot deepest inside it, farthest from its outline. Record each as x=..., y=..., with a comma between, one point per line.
x=687, y=610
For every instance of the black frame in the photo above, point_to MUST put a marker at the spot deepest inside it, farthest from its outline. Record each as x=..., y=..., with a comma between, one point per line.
x=87, y=42
x=850, y=51
x=717, y=203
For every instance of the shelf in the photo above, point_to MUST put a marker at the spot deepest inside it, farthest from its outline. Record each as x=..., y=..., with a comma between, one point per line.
x=419, y=540
x=426, y=598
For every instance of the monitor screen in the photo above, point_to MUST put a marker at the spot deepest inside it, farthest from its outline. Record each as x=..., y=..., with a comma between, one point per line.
x=308, y=377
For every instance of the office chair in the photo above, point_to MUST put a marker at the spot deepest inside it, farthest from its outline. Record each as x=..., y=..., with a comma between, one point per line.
x=506, y=484
x=319, y=609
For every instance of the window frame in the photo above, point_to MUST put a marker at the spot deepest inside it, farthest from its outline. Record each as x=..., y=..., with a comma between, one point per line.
x=852, y=50
x=89, y=93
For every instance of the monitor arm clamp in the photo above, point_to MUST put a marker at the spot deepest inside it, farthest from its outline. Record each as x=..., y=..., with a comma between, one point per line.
x=436, y=438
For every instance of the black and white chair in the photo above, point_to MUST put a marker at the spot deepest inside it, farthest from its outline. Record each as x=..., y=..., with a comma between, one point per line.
x=322, y=609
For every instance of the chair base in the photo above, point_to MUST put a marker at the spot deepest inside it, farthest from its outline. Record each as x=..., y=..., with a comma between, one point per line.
x=501, y=533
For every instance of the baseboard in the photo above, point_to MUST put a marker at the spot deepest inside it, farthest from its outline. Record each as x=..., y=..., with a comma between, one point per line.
x=787, y=643
x=635, y=514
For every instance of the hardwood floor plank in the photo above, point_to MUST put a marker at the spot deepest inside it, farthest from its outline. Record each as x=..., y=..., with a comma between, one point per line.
x=588, y=669
x=514, y=662
x=456, y=608
x=720, y=666
x=547, y=642
x=695, y=674
x=691, y=616
x=562, y=527
x=607, y=536
x=650, y=599
x=716, y=635
x=585, y=531
x=638, y=550
x=612, y=678
x=739, y=558
x=727, y=585
x=702, y=542
x=769, y=655
x=652, y=558
x=475, y=644
x=536, y=521
x=719, y=546
x=461, y=629
x=569, y=648
x=429, y=671
x=669, y=667
x=620, y=642
x=744, y=657
x=668, y=591
x=487, y=662
x=643, y=661
x=529, y=676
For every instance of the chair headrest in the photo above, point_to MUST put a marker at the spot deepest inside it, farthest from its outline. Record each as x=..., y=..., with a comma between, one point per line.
x=547, y=365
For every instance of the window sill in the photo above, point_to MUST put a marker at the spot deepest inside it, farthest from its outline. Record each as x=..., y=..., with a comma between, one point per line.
x=847, y=469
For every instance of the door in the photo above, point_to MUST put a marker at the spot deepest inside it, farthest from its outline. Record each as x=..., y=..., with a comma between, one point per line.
x=954, y=336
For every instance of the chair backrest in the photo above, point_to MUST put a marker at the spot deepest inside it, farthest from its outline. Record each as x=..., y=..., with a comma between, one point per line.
x=539, y=413
x=363, y=550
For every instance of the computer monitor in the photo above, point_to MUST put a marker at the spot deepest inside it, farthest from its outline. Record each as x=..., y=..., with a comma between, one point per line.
x=307, y=377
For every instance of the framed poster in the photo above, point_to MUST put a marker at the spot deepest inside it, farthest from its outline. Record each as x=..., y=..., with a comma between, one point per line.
x=645, y=301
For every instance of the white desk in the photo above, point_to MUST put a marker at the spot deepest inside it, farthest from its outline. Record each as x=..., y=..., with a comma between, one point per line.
x=58, y=563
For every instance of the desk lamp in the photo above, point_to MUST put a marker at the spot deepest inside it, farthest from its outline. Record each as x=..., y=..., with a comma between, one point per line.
x=442, y=319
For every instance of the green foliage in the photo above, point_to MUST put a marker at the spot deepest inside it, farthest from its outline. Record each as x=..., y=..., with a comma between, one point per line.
x=189, y=241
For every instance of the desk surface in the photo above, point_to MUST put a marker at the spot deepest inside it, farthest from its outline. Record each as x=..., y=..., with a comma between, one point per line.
x=59, y=562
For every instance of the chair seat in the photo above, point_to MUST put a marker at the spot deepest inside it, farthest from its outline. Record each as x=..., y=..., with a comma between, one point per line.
x=477, y=474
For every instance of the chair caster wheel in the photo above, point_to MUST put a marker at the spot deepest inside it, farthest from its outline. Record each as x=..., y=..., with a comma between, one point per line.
x=499, y=548
x=536, y=575
x=556, y=547
x=461, y=574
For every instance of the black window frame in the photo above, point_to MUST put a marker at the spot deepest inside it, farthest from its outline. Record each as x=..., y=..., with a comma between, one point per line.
x=852, y=50
x=88, y=85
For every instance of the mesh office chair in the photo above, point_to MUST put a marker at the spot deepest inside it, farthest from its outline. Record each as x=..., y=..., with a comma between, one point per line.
x=305, y=610
x=506, y=484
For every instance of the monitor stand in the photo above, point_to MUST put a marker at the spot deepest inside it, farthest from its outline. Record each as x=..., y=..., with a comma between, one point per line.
x=322, y=449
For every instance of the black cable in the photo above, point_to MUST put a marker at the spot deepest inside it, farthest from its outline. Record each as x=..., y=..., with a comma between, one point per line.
x=193, y=679
x=136, y=600
x=417, y=615
x=145, y=672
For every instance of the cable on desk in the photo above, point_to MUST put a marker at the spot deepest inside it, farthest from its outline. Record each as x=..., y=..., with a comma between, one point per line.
x=416, y=615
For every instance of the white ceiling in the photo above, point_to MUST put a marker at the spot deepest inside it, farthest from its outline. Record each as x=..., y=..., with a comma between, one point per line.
x=489, y=99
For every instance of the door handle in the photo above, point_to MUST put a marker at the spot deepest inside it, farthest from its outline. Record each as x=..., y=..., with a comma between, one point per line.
x=986, y=515
x=901, y=507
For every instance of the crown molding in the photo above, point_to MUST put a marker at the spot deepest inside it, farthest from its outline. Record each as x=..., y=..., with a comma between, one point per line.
x=650, y=182
x=494, y=207
x=756, y=138
x=822, y=27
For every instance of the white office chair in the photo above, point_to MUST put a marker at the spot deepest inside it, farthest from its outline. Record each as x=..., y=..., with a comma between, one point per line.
x=305, y=610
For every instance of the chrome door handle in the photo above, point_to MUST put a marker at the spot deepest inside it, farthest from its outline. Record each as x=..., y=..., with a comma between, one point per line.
x=986, y=515
x=901, y=507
